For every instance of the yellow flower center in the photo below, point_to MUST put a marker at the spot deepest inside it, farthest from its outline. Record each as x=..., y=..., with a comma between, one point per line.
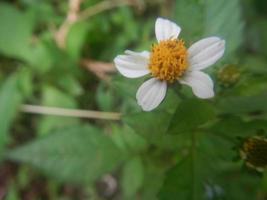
x=168, y=59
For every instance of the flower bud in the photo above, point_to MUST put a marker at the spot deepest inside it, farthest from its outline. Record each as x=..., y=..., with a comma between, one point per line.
x=254, y=152
x=228, y=75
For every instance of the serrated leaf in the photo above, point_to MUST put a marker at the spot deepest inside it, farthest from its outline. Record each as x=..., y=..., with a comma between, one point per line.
x=10, y=100
x=189, y=115
x=77, y=154
x=192, y=177
x=152, y=126
x=162, y=128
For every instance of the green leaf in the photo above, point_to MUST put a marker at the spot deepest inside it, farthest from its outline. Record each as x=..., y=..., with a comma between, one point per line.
x=153, y=180
x=210, y=18
x=189, y=15
x=182, y=182
x=10, y=100
x=56, y=98
x=223, y=18
x=207, y=157
x=243, y=104
x=128, y=140
x=254, y=64
x=104, y=98
x=233, y=126
x=25, y=81
x=70, y=84
x=162, y=128
x=75, y=154
x=41, y=56
x=153, y=126
x=16, y=30
x=75, y=39
x=189, y=115
x=132, y=177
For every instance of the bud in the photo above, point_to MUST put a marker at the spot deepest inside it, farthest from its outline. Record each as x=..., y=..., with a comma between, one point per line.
x=228, y=75
x=254, y=152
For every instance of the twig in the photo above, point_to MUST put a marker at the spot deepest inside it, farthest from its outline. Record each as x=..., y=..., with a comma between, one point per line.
x=99, y=68
x=44, y=110
x=60, y=35
x=102, y=6
x=74, y=14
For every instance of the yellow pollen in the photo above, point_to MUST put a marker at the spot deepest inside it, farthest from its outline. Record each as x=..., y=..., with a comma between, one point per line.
x=168, y=59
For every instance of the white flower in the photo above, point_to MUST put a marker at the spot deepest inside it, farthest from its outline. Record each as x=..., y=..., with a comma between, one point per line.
x=168, y=61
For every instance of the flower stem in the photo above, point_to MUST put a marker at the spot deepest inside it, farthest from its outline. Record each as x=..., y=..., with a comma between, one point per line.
x=44, y=110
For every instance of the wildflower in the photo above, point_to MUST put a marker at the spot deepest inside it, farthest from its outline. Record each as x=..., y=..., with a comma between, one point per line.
x=170, y=61
x=254, y=151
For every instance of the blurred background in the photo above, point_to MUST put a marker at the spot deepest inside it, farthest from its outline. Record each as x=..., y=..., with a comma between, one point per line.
x=62, y=136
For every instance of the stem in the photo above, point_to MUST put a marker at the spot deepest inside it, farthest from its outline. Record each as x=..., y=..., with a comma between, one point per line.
x=100, y=7
x=193, y=157
x=44, y=110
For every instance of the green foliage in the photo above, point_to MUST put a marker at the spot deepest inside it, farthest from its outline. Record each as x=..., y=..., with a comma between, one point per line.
x=166, y=130
x=80, y=154
x=246, y=104
x=10, y=100
x=189, y=115
x=186, y=149
x=181, y=182
x=16, y=31
x=191, y=24
x=55, y=98
x=132, y=177
x=223, y=18
x=104, y=98
x=75, y=39
x=210, y=17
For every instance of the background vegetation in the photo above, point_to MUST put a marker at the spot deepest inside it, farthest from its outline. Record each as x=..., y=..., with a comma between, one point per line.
x=59, y=54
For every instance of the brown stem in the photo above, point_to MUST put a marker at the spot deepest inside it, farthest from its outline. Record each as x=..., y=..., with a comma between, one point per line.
x=44, y=110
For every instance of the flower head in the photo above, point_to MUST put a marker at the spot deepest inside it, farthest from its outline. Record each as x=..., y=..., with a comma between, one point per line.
x=168, y=61
x=254, y=151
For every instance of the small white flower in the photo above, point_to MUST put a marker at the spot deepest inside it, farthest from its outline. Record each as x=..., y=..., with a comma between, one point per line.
x=169, y=61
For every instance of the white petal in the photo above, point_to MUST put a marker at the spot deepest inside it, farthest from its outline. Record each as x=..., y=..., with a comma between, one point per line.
x=205, y=52
x=132, y=64
x=151, y=93
x=201, y=84
x=133, y=53
x=165, y=29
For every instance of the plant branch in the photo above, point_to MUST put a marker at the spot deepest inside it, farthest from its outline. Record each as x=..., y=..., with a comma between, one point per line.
x=74, y=14
x=101, y=69
x=71, y=18
x=102, y=6
x=44, y=110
